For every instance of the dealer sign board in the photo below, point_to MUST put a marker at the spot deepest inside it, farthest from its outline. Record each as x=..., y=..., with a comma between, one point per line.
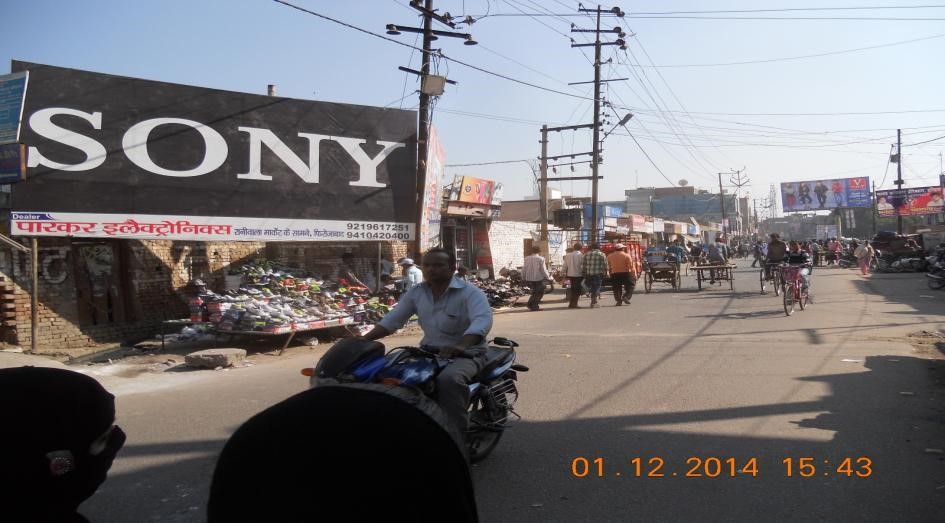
x=914, y=201
x=120, y=157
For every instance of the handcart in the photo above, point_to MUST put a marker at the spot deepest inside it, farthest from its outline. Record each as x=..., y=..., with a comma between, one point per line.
x=715, y=274
x=661, y=272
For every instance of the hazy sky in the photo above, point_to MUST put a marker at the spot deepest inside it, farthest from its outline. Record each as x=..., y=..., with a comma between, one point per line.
x=779, y=119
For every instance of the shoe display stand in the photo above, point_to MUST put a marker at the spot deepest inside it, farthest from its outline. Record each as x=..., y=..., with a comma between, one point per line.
x=269, y=301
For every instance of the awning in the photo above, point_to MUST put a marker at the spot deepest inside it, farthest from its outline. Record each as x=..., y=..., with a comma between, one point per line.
x=693, y=239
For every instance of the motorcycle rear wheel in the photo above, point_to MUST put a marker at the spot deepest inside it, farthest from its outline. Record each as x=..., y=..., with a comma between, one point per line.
x=481, y=440
x=935, y=283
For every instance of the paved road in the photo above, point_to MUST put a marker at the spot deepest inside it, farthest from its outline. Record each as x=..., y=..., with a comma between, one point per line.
x=675, y=380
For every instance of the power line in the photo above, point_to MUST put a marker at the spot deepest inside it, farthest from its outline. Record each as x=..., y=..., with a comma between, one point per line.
x=786, y=9
x=862, y=113
x=439, y=53
x=927, y=141
x=801, y=57
x=485, y=163
x=791, y=18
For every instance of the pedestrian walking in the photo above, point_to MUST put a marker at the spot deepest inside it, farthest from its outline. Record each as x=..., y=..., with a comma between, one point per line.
x=594, y=268
x=864, y=257
x=535, y=272
x=623, y=271
x=815, y=250
x=572, y=270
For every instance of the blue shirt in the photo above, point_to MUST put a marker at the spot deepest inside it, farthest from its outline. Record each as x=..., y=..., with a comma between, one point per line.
x=462, y=309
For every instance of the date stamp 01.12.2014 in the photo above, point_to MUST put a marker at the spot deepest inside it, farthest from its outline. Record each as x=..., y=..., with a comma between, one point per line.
x=719, y=467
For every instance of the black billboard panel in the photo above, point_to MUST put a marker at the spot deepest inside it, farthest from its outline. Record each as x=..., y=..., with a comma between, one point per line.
x=113, y=156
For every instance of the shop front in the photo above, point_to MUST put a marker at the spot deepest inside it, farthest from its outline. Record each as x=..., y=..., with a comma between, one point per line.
x=175, y=200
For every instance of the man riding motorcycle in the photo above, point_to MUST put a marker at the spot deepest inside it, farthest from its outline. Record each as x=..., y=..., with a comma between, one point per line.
x=456, y=318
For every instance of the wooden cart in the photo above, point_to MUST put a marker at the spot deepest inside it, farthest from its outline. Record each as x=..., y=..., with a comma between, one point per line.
x=662, y=272
x=715, y=274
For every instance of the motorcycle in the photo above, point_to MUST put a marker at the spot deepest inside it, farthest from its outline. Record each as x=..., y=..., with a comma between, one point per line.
x=936, y=275
x=906, y=263
x=492, y=393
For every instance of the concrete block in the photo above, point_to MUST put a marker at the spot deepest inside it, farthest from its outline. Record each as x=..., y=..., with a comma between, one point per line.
x=213, y=358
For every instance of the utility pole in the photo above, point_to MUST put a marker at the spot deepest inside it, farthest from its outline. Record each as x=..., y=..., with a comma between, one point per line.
x=722, y=202
x=595, y=150
x=755, y=205
x=874, y=207
x=899, y=181
x=543, y=177
x=427, y=90
x=543, y=187
x=737, y=181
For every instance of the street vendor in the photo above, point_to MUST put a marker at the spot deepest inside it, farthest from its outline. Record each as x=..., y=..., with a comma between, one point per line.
x=346, y=270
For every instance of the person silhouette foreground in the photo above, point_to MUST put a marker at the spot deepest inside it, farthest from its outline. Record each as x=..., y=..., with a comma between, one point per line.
x=359, y=452
x=57, y=443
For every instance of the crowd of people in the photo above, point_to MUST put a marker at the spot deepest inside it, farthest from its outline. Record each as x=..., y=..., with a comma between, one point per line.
x=821, y=252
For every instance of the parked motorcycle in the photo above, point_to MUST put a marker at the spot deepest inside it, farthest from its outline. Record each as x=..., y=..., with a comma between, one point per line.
x=906, y=263
x=936, y=275
x=492, y=394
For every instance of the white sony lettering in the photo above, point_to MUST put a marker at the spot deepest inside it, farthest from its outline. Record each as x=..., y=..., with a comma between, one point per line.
x=135, y=144
x=258, y=137
x=41, y=123
x=368, y=176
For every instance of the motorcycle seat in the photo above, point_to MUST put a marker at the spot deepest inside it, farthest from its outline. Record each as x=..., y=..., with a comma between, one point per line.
x=495, y=358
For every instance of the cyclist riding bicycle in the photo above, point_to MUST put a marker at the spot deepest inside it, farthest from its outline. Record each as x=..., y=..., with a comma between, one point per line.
x=777, y=251
x=798, y=257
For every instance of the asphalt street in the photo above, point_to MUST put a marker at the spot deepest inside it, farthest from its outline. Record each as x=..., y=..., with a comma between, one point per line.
x=682, y=406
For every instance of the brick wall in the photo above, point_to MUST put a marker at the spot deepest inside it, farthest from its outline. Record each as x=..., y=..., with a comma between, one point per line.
x=507, y=242
x=151, y=283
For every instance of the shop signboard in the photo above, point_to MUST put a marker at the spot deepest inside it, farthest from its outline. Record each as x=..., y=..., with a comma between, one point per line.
x=648, y=225
x=12, y=162
x=467, y=209
x=817, y=195
x=637, y=222
x=910, y=202
x=659, y=225
x=692, y=230
x=610, y=222
x=472, y=190
x=119, y=157
x=12, y=93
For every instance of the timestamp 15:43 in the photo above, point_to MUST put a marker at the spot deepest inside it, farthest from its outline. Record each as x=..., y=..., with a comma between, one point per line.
x=861, y=467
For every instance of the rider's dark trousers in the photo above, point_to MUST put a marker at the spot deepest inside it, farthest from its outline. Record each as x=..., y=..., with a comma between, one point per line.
x=575, y=290
x=452, y=386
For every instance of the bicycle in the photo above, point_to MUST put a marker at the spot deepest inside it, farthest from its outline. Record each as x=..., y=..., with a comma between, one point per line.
x=770, y=272
x=795, y=290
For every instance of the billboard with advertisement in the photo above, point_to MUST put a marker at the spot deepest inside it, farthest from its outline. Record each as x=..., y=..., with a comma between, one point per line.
x=430, y=212
x=119, y=157
x=820, y=195
x=12, y=93
x=472, y=190
x=910, y=202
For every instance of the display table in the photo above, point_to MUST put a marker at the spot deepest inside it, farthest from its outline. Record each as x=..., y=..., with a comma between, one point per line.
x=290, y=330
x=295, y=328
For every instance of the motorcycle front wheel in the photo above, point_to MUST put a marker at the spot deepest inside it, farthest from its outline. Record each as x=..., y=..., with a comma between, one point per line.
x=484, y=432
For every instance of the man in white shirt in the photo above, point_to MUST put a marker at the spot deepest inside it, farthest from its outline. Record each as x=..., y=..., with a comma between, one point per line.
x=572, y=269
x=535, y=272
x=413, y=276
